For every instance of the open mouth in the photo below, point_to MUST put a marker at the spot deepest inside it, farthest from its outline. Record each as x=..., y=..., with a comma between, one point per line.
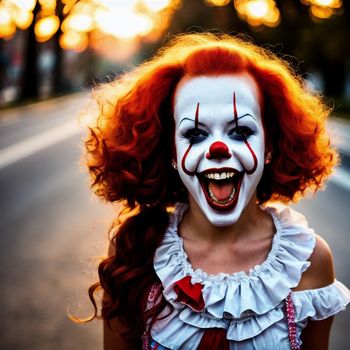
x=221, y=187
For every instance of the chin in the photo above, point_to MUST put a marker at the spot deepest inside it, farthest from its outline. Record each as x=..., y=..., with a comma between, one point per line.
x=220, y=218
x=219, y=222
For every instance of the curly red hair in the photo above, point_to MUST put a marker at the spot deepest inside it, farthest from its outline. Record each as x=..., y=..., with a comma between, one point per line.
x=130, y=148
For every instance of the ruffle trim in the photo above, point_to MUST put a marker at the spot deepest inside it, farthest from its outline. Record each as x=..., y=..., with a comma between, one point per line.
x=234, y=295
x=186, y=327
x=319, y=304
x=237, y=329
x=189, y=326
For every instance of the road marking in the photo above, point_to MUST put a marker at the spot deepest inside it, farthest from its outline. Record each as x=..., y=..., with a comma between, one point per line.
x=341, y=178
x=37, y=143
x=33, y=110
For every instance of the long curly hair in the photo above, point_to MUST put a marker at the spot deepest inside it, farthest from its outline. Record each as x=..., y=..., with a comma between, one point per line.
x=131, y=145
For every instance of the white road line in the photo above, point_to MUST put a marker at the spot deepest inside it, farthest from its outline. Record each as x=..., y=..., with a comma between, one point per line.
x=36, y=143
x=341, y=178
x=74, y=103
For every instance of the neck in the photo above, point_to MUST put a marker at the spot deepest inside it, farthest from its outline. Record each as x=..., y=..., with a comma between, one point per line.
x=195, y=224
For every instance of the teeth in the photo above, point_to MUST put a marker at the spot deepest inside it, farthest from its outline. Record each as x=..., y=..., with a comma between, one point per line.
x=219, y=176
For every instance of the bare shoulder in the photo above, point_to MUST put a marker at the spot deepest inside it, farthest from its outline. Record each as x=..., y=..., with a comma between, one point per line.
x=320, y=274
x=321, y=270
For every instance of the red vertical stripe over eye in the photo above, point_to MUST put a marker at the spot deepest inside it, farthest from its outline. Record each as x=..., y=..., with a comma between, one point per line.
x=255, y=160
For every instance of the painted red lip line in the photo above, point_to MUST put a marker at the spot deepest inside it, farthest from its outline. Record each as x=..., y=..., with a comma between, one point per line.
x=233, y=202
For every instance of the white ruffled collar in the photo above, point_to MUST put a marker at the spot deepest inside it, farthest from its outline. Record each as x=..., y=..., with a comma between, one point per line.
x=256, y=292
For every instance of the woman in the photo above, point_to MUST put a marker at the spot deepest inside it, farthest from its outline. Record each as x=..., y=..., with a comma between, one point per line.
x=216, y=127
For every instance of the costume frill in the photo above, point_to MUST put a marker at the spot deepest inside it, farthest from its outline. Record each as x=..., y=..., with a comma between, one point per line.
x=246, y=308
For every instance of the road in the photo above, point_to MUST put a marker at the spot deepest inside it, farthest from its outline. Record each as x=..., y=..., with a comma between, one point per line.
x=53, y=231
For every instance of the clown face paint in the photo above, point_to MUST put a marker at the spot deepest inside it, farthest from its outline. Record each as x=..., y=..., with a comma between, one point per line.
x=219, y=140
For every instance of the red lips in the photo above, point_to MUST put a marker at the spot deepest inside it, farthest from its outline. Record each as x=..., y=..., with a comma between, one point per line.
x=230, y=179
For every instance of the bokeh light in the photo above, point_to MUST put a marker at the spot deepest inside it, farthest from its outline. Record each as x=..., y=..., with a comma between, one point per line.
x=24, y=5
x=257, y=9
x=217, y=2
x=323, y=9
x=327, y=3
x=79, y=22
x=130, y=19
x=49, y=5
x=7, y=27
x=23, y=19
x=258, y=13
x=46, y=27
x=321, y=12
x=122, y=22
x=72, y=40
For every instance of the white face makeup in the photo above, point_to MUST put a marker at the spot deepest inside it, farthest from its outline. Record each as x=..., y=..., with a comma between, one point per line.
x=219, y=141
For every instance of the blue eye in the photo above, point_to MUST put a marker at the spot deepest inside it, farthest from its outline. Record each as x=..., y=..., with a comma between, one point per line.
x=195, y=135
x=240, y=133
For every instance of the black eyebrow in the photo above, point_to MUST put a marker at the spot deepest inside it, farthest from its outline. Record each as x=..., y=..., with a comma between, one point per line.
x=242, y=116
x=191, y=121
x=230, y=122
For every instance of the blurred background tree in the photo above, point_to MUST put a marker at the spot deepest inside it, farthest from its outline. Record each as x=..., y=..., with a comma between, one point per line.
x=50, y=47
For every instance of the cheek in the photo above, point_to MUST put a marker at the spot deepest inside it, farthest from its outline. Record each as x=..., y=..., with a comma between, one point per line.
x=188, y=157
x=250, y=153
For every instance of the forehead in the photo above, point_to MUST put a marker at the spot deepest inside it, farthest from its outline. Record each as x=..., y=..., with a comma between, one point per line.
x=215, y=92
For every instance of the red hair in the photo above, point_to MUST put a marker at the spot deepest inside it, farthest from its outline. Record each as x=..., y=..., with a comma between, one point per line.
x=130, y=148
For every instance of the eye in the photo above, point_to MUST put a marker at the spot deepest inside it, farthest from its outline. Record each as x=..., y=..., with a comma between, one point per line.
x=195, y=135
x=240, y=133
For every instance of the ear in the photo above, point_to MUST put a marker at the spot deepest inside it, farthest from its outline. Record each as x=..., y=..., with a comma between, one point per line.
x=268, y=157
x=174, y=164
x=268, y=150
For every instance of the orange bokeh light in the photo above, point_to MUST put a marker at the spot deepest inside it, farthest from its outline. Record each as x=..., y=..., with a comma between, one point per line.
x=24, y=5
x=122, y=22
x=7, y=26
x=79, y=22
x=46, y=27
x=23, y=19
x=72, y=40
x=217, y=2
x=258, y=12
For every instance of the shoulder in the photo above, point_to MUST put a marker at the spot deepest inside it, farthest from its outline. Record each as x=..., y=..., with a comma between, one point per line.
x=321, y=271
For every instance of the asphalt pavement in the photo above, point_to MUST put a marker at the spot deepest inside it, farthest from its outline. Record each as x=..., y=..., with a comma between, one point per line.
x=53, y=231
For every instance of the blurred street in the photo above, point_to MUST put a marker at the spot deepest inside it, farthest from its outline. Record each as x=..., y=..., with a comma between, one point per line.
x=52, y=230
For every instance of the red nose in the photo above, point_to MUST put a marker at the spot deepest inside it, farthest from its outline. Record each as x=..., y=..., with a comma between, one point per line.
x=218, y=150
